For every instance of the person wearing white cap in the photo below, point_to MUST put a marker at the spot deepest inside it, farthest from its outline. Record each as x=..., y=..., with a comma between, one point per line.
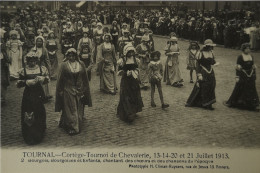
x=130, y=101
x=144, y=50
x=14, y=52
x=124, y=40
x=106, y=62
x=33, y=114
x=172, y=74
x=203, y=93
x=72, y=92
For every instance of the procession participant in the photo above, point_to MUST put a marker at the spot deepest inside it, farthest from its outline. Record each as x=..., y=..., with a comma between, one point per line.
x=203, y=93
x=72, y=93
x=114, y=31
x=172, y=74
x=106, y=61
x=33, y=114
x=52, y=48
x=244, y=95
x=124, y=28
x=40, y=50
x=5, y=61
x=14, y=52
x=86, y=58
x=124, y=40
x=21, y=35
x=97, y=37
x=144, y=52
x=155, y=75
x=130, y=101
x=45, y=32
x=194, y=51
x=85, y=40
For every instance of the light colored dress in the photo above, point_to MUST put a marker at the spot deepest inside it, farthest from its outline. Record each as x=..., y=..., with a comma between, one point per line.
x=14, y=52
x=172, y=74
x=107, y=59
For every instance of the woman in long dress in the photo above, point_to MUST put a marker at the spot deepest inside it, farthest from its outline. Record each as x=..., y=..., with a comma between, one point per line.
x=172, y=74
x=107, y=61
x=244, y=95
x=203, y=93
x=144, y=52
x=33, y=114
x=44, y=60
x=14, y=52
x=72, y=93
x=130, y=101
x=52, y=48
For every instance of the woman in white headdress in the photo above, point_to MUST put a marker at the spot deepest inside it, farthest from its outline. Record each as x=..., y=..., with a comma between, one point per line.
x=72, y=92
x=172, y=74
x=14, y=52
x=44, y=60
x=130, y=101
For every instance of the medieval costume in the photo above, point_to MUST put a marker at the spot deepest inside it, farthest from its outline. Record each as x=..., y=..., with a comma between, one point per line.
x=72, y=93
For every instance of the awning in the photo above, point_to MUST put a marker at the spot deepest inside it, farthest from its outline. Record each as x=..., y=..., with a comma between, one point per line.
x=78, y=5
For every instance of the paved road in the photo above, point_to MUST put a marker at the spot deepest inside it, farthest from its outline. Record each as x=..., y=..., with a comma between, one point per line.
x=177, y=126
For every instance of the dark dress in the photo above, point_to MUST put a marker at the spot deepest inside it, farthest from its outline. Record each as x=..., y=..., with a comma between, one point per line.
x=244, y=94
x=130, y=95
x=203, y=93
x=33, y=115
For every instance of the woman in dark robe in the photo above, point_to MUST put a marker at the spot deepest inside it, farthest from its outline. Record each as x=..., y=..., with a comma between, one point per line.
x=130, y=101
x=5, y=80
x=203, y=93
x=44, y=60
x=33, y=114
x=72, y=92
x=244, y=95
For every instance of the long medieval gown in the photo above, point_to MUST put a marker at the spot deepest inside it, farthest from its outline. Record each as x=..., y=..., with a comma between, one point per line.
x=106, y=58
x=244, y=95
x=33, y=114
x=172, y=74
x=203, y=93
x=130, y=101
x=144, y=56
x=71, y=87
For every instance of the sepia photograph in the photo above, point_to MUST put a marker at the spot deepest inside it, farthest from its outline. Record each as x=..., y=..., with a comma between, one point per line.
x=111, y=76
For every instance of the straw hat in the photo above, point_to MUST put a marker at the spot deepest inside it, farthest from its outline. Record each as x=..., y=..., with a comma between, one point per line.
x=209, y=42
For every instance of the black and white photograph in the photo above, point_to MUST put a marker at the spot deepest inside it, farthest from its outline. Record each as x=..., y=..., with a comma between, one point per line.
x=105, y=77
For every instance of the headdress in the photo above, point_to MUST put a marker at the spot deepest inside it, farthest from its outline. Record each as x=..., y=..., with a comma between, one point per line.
x=128, y=48
x=209, y=42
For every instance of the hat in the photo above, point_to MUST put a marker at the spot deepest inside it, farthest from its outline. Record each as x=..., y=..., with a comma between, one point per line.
x=209, y=42
x=194, y=43
x=124, y=24
x=99, y=24
x=244, y=46
x=128, y=48
x=71, y=50
x=13, y=32
x=31, y=55
x=145, y=38
x=114, y=22
x=174, y=39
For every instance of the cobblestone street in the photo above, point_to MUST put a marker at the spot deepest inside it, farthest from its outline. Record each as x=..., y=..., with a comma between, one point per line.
x=176, y=126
